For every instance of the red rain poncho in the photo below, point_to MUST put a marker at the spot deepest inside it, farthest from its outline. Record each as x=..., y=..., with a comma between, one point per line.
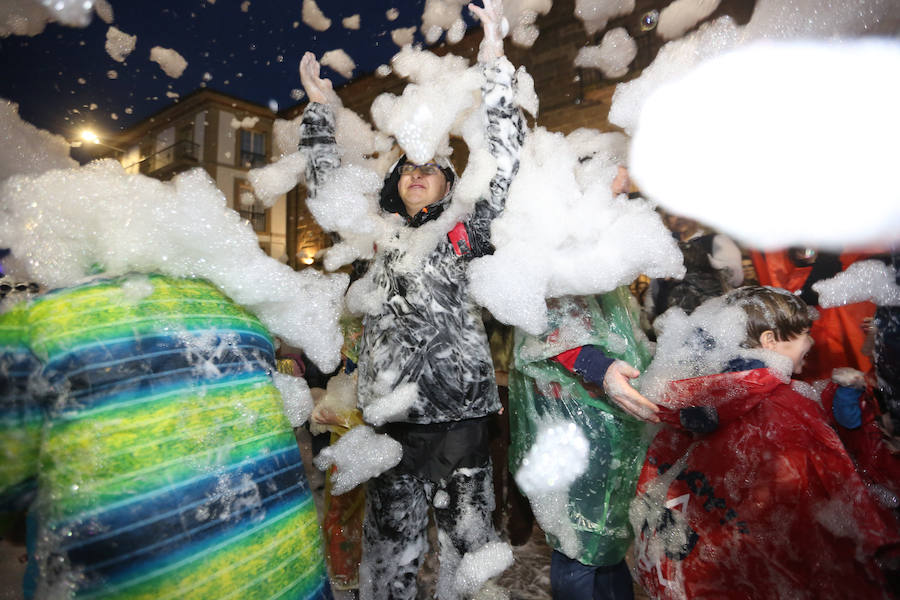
x=768, y=505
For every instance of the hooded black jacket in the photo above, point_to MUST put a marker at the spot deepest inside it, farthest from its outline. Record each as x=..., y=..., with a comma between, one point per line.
x=428, y=330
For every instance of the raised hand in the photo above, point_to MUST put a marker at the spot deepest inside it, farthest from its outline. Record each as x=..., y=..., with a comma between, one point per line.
x=495, y=28
x=317, y=89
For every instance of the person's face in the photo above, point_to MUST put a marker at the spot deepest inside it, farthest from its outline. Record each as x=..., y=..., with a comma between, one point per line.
x=421, y=185
x=796, y=349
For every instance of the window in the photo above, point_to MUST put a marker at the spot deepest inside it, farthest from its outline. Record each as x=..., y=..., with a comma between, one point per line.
x=253, y=149
x=249, y=207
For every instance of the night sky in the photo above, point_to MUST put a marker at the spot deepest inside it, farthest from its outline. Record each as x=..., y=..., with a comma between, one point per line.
x=57, y=75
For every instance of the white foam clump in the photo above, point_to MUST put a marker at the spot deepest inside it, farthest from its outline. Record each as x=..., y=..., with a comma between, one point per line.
x=245, y=123
x=612, y=56
x=34, y=151
x=748, y=126
x=340, y=61
x=521, y=15
x=119, y=44
x=403, y=35
x=393, y=406
x=313, y=16
x=702, y=343
x=681, y=15
x=422, y=117
x=478, y=566
x=169, y=60
x=104, y=10
x=358, y=456
x=391, y=14
x=596, y=13
x=29, y=17
x=558, y=457
x=296, y=398
x=446, y=15
x=864, y=281
x=440, y=16
x=274, y=180
x=772, y=19
x=563, y=233
x=351, y=22
x=673, y=60
x=64, y=225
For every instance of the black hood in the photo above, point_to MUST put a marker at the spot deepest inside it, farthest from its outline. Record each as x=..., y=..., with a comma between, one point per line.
x=391, y=202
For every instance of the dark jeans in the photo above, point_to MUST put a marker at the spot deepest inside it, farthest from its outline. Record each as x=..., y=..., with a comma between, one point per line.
x=572, y=580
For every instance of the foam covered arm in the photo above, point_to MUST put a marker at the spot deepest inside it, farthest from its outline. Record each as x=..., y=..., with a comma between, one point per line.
x=317, y=143
x=505, y=134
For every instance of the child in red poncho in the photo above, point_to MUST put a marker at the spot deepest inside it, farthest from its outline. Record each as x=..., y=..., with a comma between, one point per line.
x=749, y=493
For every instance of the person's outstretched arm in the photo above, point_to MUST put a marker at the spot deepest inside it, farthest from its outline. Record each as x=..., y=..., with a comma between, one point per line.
x=317, y=127
x=505, y=123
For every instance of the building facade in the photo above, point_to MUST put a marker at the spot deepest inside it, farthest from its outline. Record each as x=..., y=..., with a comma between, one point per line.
x=227, y=137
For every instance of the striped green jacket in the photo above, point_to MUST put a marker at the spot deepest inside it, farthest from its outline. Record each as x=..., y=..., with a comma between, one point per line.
x=143, y=413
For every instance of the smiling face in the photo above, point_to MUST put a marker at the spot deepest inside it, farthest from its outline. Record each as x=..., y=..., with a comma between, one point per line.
x=418, y=189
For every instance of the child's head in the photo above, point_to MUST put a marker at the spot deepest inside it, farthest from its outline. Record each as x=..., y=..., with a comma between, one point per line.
x=776, y=320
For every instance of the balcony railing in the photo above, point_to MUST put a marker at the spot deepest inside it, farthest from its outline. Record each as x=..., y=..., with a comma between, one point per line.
x=183, y=152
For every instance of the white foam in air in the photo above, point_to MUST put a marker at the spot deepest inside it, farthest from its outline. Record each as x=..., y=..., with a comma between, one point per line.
x=314, y=17
x=340, y=61
x=681, y=15
x=359, y=455
x=766, y=144
x=119, y=44
x=612, y=56
x=169, y=61
x=595, y=13
x=865, y=281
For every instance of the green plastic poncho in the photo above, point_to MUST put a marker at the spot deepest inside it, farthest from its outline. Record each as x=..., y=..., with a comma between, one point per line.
x=542, y=390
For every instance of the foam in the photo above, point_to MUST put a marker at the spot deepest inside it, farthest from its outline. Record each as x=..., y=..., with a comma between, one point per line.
x=864, y=281
x=35, y=150
x=681, y=15
x=64, y=225
x=596, y=13
x=340, y=61
x=358, y=456
x=750, y=126
x=119, y=44
x=313, y=16
x=170, y=61
x=612, y=56
x=563, y=233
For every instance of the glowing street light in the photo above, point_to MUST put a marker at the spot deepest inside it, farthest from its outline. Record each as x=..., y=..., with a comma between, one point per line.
x=89, y=136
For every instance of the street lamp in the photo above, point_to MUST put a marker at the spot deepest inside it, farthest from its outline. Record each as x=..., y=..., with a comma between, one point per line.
x=89, y=136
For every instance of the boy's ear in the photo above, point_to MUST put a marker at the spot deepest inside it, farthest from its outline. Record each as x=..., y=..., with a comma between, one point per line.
x=767, y=339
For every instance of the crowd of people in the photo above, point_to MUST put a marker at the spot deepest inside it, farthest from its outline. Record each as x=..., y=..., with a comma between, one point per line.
x=736, y=479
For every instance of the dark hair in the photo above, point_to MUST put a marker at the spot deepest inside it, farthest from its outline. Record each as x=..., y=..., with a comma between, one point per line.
x=771, y=309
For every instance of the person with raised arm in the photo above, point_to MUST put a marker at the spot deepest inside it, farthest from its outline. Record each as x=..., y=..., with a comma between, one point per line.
x=428, y=331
